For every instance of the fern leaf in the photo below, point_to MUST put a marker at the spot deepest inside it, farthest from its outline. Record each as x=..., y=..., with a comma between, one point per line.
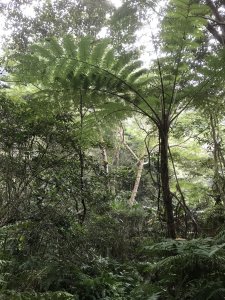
x=216, y=293
x=69, y=46
x=142, y=80
x=61, y=67
x=98, y=52
x=117, y=66
x=129, y=68
x=134, y=76
x=41, y=51
x=215, y=249
x=108, y=59
x=55, y=48
x=84, y=49
x=155, y=296
x=86, y=83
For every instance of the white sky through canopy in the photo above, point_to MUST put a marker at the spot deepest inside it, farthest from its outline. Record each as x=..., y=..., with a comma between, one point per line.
x=144, y=38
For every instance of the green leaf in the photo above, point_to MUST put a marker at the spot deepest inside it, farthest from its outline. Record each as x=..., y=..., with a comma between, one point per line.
x=41, y=51
x=84, y=49
x=55, y=48
x=98, y=52
x=70, y=46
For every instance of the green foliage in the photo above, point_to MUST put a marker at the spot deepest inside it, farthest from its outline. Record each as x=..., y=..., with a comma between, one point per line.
x=93, y=67
x=188, y=269
x=214, y=218
x=41, y=296
x=66, y=230
x=52, y=19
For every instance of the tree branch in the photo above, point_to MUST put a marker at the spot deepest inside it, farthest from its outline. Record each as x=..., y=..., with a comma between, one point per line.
x=215, y=33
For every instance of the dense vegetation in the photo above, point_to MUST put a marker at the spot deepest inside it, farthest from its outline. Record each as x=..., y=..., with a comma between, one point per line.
x=112, y=167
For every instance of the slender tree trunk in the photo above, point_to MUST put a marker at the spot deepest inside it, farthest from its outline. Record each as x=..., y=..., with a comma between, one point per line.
x=105, y=162
x=215, y=145
x=164, y=173
x=137, y=182
x=140, y=165
x=219, y=178
x=102, y=147
x=81, y=159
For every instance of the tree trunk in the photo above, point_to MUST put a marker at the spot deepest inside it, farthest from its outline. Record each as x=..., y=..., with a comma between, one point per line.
x=105, y=162
x=164, y=173
x=219, y=178
x=81, y=159
x=137, y=182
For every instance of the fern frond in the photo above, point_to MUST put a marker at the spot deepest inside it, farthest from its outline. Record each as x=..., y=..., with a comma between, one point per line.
x=129, y=68
x=84, y=49
x=142, y=80
x=41, y=51
x=98, y=52
x=108, y=59
x=136, y=75
x=220, y=237
x=55, y=48
x=84, y=65
x=117, y=66
x=69, y=45
x=216, y=294
x=62, y=67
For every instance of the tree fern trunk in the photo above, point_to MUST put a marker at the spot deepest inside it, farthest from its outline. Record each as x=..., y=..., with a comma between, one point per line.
x=164, y=173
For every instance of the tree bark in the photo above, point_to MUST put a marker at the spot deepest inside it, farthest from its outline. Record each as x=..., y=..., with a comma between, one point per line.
x=219, y=178
x=81, y=160
x=164, y=173
x=105, y=162
x=102, y=147
x=137, y=182
x=140, y=165
x=218, y=33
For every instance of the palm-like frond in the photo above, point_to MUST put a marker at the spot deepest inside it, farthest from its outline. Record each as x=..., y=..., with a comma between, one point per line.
x=84, y=65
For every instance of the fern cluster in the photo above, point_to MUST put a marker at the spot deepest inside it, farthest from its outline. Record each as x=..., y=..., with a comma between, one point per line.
x=184, y=269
